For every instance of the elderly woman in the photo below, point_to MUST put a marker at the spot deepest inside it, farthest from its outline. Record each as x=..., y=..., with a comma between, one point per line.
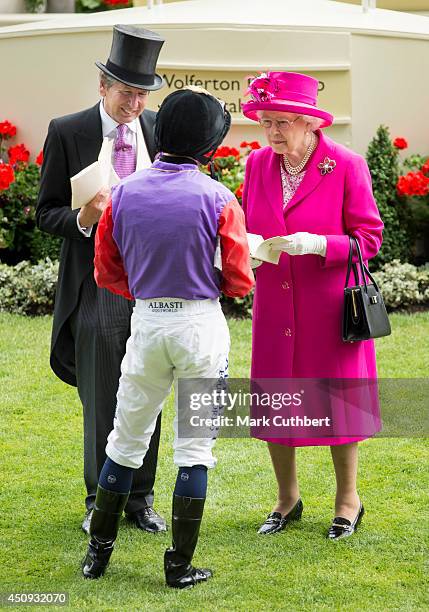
x=317, y=193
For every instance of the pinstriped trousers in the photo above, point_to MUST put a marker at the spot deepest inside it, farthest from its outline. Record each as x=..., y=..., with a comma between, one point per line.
x=101, y=326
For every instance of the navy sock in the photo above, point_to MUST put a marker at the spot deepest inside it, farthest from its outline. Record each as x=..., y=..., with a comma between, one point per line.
x=191, y=481
x=115, y=477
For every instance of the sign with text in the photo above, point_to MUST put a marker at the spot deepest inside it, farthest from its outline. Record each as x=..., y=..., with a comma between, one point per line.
x=230, y=86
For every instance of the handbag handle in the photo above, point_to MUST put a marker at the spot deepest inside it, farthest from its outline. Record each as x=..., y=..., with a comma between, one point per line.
x=363, y=268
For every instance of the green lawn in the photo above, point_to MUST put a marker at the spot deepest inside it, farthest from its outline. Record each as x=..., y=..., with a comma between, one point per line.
x=381, y=568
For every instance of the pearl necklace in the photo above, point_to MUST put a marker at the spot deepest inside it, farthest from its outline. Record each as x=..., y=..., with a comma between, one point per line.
x=294, y=170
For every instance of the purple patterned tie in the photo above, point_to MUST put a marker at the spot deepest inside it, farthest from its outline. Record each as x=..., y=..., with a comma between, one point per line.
x=124, y=158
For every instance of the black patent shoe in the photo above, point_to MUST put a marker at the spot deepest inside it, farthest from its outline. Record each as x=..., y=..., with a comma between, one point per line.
x=343, y=528
x=182, y=575
x=148, y=520
x=87, y=520
x=97, y=558
x=276, y=522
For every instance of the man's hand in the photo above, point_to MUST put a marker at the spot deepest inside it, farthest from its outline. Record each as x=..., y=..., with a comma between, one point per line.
x=303, y=243
x=91, y=213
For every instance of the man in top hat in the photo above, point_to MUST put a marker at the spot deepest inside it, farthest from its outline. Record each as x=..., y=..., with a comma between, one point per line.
x=91, y=325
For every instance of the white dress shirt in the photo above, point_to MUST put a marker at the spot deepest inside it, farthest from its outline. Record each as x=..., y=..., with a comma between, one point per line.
x=108, y=126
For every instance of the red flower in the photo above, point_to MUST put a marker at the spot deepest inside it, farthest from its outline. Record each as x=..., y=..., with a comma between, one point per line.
x=402, y=185
x=413, y=184
x=39, y=158
x=19, y=153
x=239, y=191
x=115, y=2
x=425, y=167
x=7, y=130
x=252, y=145
x=221, y=152
x=400, y=143
x=226, y=152
x=7, y=176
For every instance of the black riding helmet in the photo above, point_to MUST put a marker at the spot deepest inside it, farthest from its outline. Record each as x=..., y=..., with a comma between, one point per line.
x=191, y=123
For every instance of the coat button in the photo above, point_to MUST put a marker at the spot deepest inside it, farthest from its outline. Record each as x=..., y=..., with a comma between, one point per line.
x=288, y=332
x=285, y=285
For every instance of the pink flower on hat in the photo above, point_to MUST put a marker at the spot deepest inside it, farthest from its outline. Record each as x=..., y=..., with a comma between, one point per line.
x=262, y=88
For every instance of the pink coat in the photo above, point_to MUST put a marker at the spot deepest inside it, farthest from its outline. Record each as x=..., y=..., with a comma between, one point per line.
x=297, y=307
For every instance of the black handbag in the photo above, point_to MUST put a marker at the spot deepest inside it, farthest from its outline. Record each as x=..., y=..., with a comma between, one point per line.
x=364, y=314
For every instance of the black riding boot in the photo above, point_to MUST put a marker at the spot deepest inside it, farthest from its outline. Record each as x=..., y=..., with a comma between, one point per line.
x=187, y=515
x=108, y=509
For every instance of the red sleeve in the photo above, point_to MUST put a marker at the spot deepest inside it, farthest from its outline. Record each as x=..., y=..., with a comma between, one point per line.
x=109, y=271
x=237, y=276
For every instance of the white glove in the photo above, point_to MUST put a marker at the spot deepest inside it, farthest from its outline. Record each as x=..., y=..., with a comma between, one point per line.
x=255, y=263
x=303, y=243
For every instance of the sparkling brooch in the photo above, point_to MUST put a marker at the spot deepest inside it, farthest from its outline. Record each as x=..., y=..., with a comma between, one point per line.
x=327, y=166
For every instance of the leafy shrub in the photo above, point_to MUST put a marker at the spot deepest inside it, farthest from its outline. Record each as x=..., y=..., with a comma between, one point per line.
x=94, y=6
x=28, y=289
x=42, y=245
x=403, y=284
x=34, y=6
x=414, y=162
x=238, y=308
x=413, y=191
x=17, y=206
x=383, y=161
x=20, y=239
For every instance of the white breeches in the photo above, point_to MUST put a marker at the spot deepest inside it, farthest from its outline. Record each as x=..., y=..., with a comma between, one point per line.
x=188, y=340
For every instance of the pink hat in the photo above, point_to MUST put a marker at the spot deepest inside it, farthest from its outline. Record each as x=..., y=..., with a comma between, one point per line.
x=289, y=92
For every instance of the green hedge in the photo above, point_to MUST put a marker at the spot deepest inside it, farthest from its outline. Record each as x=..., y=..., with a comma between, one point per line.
x=27, y=288
x=30, y=289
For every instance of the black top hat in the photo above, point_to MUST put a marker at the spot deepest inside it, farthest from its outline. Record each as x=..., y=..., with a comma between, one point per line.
x=133, y=57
